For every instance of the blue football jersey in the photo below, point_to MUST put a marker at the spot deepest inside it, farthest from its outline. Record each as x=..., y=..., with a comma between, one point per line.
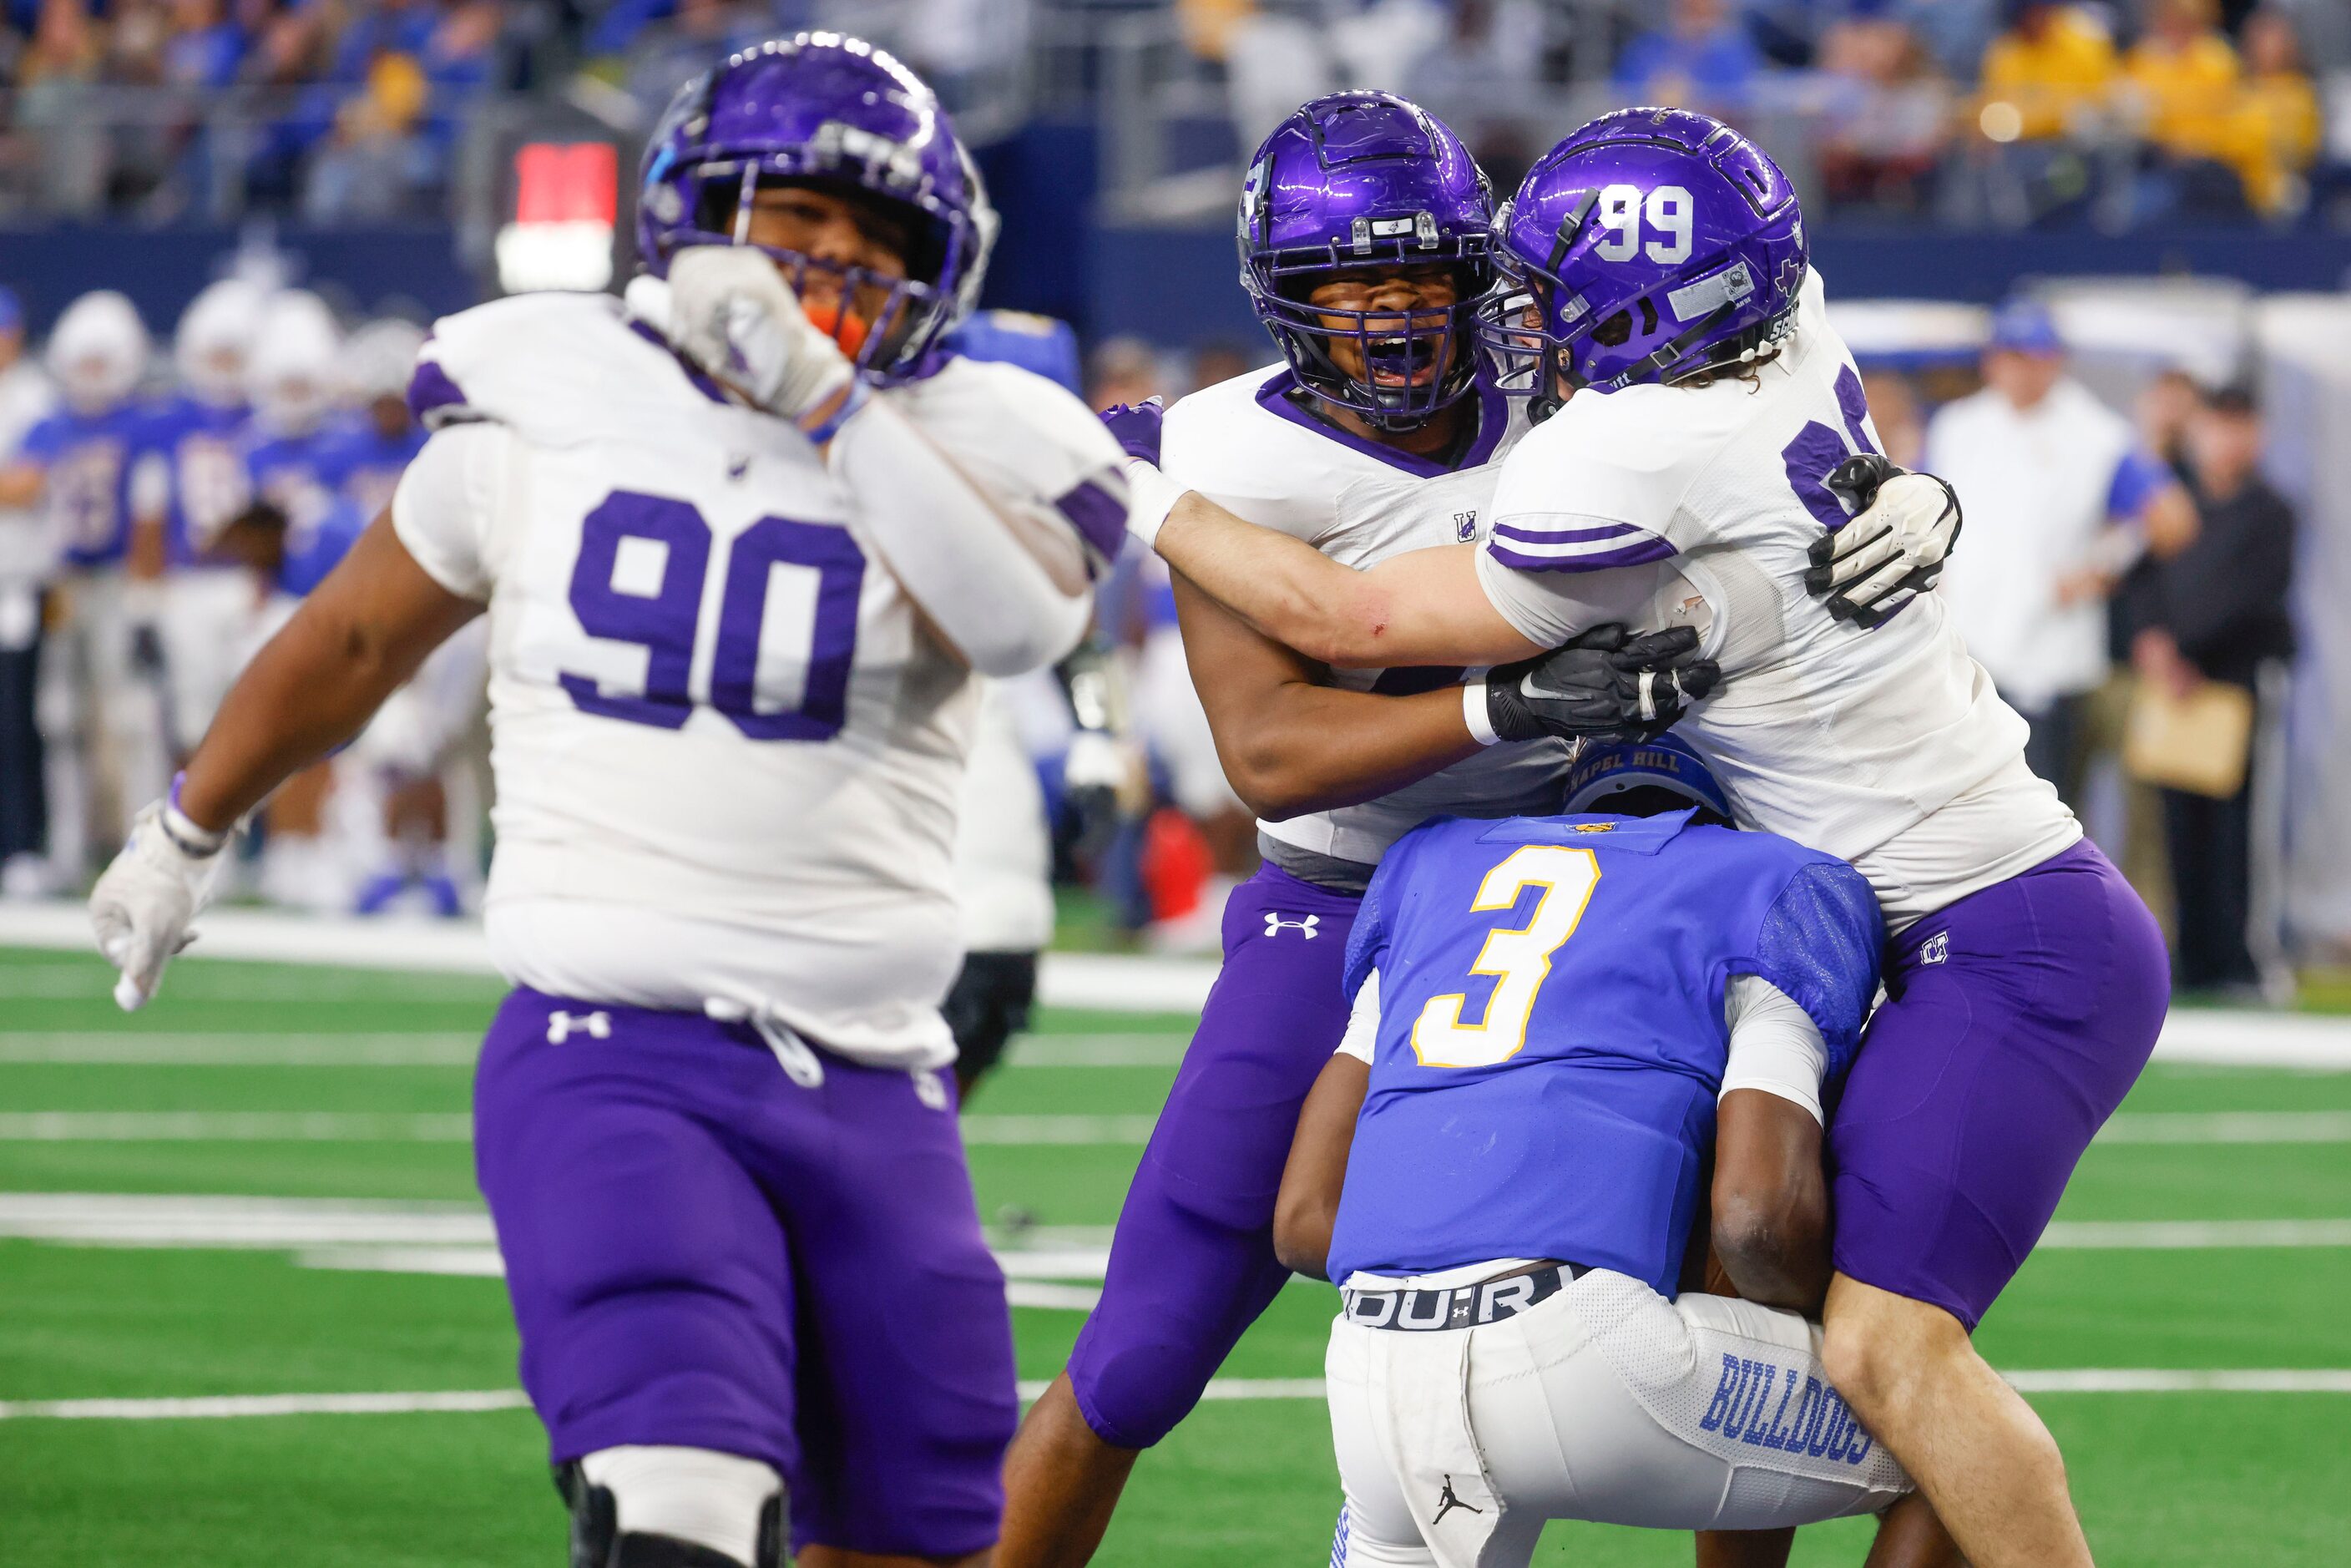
x=88, y=460
x=364, y=466
x=296, y=474
x=202, y=446
x=1552, y=1037
x=1038, y=343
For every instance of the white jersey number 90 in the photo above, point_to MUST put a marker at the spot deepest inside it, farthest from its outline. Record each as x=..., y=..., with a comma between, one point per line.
x=1671, y=218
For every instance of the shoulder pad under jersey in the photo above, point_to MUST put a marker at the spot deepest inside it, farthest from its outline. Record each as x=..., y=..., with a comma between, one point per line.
x=556, y=368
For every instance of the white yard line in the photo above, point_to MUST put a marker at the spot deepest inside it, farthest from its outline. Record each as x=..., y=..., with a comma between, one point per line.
x=226, y=1048
x=447, y=1127
x=235, y=1127
x=2086, y=1380
x=2164, y=1235
x=2228, y=1127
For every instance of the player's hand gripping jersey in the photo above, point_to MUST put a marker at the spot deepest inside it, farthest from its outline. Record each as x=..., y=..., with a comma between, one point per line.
x=1248, y=445
x=1887, y=747
x=726, y=743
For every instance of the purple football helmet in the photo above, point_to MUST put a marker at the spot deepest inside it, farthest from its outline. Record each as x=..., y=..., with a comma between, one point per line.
x=1651, y=246
x=823, y=109
x=1358, y=180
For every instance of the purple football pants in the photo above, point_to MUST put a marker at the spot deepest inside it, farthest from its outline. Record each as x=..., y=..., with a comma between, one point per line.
x=702, y=1252
x=2015, y=1021
x=1192, y=1263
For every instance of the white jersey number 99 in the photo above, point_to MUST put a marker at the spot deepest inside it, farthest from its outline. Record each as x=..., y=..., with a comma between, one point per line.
x=1671, y=218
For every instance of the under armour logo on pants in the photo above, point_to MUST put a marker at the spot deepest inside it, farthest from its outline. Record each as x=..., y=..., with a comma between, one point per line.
x=595, y=1026
x=1275, y=925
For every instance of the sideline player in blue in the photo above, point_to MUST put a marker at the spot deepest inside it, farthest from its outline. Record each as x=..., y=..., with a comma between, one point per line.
x=1556, y=1020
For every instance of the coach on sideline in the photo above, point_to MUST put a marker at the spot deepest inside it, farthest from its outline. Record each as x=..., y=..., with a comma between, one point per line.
x=2062, y=491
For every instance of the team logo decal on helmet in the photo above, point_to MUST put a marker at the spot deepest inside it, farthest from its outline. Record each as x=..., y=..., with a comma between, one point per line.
x=822, y=107
x=1602, y=773
x=1360, y=180
x=1652, y=245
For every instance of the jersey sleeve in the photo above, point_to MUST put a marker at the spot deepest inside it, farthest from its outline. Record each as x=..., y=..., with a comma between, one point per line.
x=1362, y=1036
x=44, y=442
x=444, y=509
x=1367, y=942
x=2139, y=477
x=1819, y=943
x=1597, y=485
x=1775, y=1046
x=1034, y=448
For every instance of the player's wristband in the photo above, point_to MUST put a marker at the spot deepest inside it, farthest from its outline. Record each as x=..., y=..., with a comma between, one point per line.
x=1474, y=713
x=195, y=842
x=822, y=430
x=1151, y=496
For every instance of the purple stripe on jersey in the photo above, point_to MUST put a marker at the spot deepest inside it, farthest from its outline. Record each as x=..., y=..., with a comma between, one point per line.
x=1493, y=418
x=702, y=383
x=1098, y=516
x=1650, y=547
x=430, y=388
x=1562, y=536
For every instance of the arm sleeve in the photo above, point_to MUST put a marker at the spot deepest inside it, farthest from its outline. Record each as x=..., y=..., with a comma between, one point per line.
x=1819, y=944
x=445, y=505
x=945, y=540
x=1362, y=1021
x=151, y=483
x=1775, y=1046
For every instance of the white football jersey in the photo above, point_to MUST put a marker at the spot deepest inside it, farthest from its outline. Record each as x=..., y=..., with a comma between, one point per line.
x=1889, y=747
x=727, y=751
x=1245, y=445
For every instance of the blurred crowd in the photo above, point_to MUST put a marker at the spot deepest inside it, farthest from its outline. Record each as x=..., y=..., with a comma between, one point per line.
x=2005, y=111
x=1975, y=111
x=160, y=514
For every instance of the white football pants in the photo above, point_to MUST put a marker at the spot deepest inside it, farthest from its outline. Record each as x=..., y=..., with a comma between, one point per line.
x=1605, y=1403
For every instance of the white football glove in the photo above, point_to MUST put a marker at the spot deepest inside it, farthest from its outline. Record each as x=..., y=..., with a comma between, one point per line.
x=732, y=313
x=142, y=907
x=1894, y=548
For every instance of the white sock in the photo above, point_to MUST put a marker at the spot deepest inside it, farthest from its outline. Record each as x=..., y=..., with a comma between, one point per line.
x=699, y=1494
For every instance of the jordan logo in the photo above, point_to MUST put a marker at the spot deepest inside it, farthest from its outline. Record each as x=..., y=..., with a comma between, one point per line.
x=1275, y=925
x=1446, y=1502
x=561, y=1027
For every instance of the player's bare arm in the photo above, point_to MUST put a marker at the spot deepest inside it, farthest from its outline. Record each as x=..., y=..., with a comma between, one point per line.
x=1422, y=608
x=1770, y=1201
x=1292, y=742
x=355, y=640
x=1308, y=1201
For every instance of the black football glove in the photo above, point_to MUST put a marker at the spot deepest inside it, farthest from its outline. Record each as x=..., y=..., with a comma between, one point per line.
x=1904, y=525
x=1605, y=686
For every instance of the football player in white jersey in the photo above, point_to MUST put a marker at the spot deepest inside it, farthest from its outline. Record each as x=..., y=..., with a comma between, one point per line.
x=1660, y=306
x=741, y=542
x=1363, y=230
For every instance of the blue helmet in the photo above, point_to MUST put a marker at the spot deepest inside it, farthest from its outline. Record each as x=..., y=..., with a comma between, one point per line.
x=1354, y=180
x=1652, y=245
x=821, y=106
x=1603, y=773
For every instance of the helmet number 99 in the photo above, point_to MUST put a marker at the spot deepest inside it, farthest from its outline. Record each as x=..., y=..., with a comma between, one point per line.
x=1668, y=209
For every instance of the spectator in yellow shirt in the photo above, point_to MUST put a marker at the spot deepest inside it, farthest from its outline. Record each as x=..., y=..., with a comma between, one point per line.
x=2184, y=75
x=2277, y=120
x=2053, y=62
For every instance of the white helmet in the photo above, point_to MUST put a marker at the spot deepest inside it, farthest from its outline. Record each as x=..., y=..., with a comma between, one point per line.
x=291, y=375
x=216, y=337
x=98, y=351
x=379, y=358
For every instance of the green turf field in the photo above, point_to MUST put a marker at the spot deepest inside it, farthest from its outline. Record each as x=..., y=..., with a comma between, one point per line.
x=204, y=1093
